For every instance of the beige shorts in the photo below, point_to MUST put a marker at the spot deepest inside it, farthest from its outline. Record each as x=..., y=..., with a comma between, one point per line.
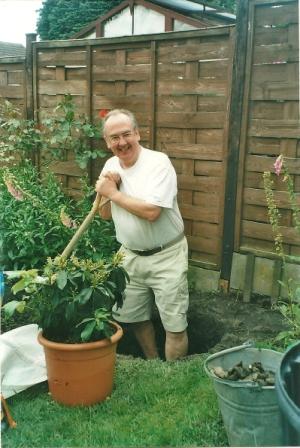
x=162, y=278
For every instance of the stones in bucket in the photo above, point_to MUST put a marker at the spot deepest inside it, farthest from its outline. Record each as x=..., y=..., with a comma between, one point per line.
x=249, y=411
x=246, y=372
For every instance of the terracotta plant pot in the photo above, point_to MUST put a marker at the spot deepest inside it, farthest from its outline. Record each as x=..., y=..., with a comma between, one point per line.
x=81, y=374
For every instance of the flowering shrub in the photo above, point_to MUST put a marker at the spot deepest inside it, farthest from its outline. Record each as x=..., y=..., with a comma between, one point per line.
x=38, y=220
x=72, y=299
x=289, y=308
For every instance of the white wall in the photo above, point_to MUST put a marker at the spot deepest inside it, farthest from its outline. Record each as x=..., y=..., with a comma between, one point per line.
x=119, y=25
x=91, y=35
x=147, y=21
x=180, y=26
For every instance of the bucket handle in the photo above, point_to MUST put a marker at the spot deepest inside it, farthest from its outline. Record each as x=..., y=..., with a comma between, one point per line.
x=247, y=344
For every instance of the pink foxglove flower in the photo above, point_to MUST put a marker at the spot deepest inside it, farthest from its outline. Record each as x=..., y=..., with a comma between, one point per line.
x=17, y=194
x=278, y=164
x=66, y=220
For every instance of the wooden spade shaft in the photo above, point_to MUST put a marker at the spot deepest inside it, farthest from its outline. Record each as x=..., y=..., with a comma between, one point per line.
x=84, y=225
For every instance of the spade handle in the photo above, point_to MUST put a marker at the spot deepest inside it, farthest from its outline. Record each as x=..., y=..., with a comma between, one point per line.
x=84, y=225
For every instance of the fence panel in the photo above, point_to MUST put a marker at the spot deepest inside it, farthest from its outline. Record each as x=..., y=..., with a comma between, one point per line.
x=13, y=81
x=270, y=126
x=193, y=79
x=177, y=84
x=59, y=70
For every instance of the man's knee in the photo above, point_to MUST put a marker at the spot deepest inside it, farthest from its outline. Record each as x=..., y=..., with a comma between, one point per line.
x=176, y=345
x=176, y=336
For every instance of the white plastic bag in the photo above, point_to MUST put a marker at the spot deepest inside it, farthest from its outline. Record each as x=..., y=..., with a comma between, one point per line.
x=22, y=360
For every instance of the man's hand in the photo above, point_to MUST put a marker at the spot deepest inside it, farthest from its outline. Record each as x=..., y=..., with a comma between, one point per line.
x=108, y=184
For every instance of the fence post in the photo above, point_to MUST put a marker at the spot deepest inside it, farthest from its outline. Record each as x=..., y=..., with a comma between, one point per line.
x=153, y=86
x=89, y=103
x=29, y=109
x=234, y=134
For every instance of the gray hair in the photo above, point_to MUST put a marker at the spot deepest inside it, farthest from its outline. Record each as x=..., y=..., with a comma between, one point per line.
x=126, y=112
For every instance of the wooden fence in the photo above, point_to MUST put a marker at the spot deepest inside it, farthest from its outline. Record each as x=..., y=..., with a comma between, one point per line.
x=177, y=84
x=221, y=102
x=268, y=36
x=270, y=123
x=13, y=81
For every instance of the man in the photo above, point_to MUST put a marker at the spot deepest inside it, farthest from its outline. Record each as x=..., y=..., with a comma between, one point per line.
x=141, y=185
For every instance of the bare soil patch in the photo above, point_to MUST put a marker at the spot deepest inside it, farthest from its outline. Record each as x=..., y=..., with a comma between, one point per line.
x=216, y=322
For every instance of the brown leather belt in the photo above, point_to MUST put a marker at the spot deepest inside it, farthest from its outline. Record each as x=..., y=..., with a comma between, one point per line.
x=155, y=250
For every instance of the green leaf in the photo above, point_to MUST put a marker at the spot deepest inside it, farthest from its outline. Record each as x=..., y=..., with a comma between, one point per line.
x=21, y=307
x=87, y=319
x=82, y=162
x=102, y=314
x=87, y=331
x=296, y=311
x=19, y=286
x=14, y=305
x=282, y=335
x=84, y=296
x=100, y=325
x=61, y=279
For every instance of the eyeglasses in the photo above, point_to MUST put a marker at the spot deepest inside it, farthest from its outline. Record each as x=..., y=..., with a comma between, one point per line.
x=115, y=139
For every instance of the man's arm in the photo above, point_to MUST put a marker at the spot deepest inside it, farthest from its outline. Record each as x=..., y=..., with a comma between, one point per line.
x=108, y=188
x=105, y=208
x=136, y=206
x=105, y=204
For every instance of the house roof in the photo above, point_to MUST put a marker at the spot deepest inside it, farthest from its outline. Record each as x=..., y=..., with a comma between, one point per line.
x=10, y=49
x=195, y=8
x=194, y=12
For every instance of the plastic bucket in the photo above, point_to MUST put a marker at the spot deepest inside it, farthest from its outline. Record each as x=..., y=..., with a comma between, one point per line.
x=250, y=412
x=288, y=394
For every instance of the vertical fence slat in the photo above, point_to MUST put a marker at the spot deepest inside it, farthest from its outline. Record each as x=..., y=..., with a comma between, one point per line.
x=89, y=96
x=29, y=105
x=277, y=271
x=243, y=126
x=35, y=94
x=234, y=135
x=249, y=274
x=153, y=81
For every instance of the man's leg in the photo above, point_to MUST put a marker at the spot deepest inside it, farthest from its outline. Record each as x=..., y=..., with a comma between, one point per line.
x=176, y=345
x=145, y=335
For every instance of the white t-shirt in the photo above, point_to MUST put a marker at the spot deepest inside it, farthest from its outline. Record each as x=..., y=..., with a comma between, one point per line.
x=153, y=179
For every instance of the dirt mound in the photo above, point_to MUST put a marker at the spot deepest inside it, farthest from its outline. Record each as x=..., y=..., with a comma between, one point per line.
x=234, y=320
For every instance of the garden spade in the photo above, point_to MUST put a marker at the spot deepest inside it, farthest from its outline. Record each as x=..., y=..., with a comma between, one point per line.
x=84, y=225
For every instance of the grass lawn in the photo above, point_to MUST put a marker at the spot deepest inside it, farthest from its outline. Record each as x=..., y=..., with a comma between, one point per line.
x=154, y=403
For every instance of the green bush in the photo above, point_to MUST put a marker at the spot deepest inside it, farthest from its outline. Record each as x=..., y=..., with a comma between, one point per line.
x=37, y=219
x=37, y=224
x=54, y=136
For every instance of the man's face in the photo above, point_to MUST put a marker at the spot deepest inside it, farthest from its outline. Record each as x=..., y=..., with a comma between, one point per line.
x=122, y=139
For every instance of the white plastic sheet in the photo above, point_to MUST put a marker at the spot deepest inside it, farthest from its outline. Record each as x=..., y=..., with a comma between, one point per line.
x=22, y=360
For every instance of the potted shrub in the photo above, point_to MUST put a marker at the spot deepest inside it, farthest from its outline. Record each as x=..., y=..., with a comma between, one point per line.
x=71, y=300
